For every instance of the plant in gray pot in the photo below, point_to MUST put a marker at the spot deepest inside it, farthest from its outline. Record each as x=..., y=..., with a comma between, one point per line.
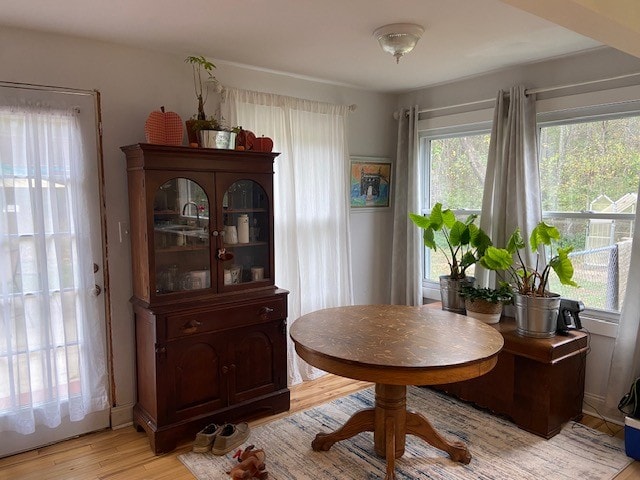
x=536, y=307
x=465, y=245
x=485, y=304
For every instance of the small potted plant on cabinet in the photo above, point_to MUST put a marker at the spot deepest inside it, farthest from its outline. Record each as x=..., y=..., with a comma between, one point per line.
x=485, y=303
x=536, y=308
x=202, y=79
x=465, y=245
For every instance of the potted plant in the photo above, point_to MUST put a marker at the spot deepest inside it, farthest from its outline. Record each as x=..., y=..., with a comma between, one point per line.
x=202, y=79
x=212, y=133
x=200, y=65
x=465, y=245
x=536, y=307
x=485, y=303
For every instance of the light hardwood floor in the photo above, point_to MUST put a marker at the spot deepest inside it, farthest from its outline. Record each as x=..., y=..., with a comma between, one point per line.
x=124, y=454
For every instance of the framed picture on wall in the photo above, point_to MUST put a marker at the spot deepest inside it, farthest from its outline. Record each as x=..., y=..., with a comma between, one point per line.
x=370, y=185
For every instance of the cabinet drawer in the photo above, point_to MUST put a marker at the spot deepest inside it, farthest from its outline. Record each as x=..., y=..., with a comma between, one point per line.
x=227, y=317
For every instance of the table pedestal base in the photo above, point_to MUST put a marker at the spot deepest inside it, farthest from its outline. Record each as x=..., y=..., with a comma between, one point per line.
x=390, y=422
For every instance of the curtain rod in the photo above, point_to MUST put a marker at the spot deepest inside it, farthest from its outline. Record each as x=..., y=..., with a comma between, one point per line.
x=530, y=91
x=49, y=88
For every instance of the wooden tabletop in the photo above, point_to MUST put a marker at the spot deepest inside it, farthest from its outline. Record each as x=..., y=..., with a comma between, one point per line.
x=396, y=344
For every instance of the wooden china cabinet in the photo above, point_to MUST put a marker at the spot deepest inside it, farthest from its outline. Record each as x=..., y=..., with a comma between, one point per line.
x=210, y=323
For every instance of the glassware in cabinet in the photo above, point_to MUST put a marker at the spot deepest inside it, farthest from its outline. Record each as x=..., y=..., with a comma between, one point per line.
x=181, y=237
x=247, y=223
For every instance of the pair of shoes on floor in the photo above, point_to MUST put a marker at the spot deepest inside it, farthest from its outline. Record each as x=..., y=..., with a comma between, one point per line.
x=220, y=439
x=230, y=437
x=205, y=437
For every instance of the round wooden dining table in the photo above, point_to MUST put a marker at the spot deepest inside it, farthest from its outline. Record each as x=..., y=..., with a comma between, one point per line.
x=395, y=346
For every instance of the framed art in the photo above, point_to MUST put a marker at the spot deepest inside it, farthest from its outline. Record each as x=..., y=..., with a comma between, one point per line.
x=370, y=184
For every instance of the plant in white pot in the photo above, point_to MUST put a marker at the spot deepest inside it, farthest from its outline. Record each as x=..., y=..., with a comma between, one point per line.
x=485, y=303
x=203, y=78
x=536, y=307
x=465, y=245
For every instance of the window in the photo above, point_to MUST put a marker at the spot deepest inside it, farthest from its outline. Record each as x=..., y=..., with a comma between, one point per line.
x=589, y=180
x=453, y=161
x=589, y=171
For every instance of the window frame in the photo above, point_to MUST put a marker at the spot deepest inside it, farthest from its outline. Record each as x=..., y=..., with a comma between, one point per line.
x=587, y=115
x=431, y=288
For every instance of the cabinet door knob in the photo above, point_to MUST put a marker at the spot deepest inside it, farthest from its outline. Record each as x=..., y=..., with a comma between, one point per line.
x=264, y=311
x=225, y=370
x=191, y=326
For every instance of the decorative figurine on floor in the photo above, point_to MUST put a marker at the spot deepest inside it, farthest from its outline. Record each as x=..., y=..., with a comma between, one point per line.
x=251, y=464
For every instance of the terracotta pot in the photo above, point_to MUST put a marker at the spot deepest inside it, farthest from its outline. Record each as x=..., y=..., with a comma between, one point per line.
x=192, y=135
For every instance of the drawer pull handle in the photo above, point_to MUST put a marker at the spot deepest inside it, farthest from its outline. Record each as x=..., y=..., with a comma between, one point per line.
x=225, y=370
x=264, y=311
x=191, y=326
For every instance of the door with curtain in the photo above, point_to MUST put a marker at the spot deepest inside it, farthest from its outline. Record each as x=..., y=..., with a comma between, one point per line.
x=53, y=350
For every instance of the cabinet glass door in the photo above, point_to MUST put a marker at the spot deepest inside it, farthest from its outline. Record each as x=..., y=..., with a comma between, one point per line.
x=246, y=235
x=181, y=237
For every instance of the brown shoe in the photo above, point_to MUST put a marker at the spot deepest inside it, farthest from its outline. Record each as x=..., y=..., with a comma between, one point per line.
x=205, y=437
x=230, y=437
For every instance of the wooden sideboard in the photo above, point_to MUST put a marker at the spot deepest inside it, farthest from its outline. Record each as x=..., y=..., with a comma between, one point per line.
x=538, y=382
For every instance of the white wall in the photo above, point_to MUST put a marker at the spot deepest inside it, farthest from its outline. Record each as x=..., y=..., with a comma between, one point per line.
x=134, y=82
x=594, y=65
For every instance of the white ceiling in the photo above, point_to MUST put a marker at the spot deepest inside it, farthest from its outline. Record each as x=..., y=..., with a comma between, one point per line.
x=329, y=40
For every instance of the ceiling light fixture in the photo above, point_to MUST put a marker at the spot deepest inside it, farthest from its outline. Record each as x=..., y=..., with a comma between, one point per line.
x=398, y=38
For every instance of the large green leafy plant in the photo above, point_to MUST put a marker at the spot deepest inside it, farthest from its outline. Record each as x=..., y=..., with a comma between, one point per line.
x=466, y=242
x=527, y=279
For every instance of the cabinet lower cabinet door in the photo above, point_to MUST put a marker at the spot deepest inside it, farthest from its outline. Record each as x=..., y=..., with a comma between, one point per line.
x=195, y=377
x=255, y=361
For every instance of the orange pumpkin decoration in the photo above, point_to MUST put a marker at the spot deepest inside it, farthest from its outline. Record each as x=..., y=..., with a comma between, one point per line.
x=164, y=128
x=263, y=144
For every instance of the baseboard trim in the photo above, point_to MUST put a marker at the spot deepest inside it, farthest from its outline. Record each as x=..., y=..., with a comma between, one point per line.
x=121, y=416
x=594, y=404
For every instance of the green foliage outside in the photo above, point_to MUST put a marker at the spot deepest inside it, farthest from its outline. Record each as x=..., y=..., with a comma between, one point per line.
x=459, y=162
x=579, y=162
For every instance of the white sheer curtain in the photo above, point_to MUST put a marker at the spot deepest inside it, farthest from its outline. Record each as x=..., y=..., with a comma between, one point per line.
x=406, y=283
x=625, y=362
x=311, y=201
x=512, y=183
x=52, y=360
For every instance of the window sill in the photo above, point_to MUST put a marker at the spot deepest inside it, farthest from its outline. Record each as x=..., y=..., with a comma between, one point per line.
x=596, y=326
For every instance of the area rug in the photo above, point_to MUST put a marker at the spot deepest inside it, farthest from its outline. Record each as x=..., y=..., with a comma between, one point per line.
x=499, y=449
